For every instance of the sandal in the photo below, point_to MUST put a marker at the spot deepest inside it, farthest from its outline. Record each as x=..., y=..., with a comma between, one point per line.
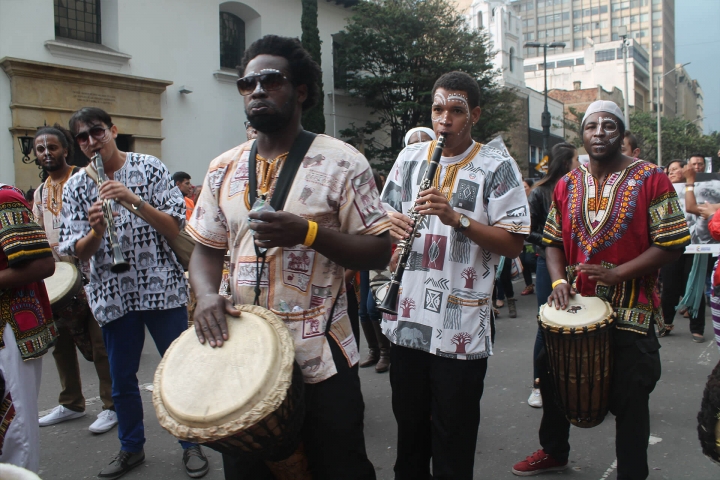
x=529, y=290
x=668, y=330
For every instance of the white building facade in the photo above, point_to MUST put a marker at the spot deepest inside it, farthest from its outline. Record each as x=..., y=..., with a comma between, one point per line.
x=155, y=67
x=602, y=64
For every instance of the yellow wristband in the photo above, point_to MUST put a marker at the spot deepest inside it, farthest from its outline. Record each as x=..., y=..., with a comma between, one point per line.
x=311, y=233
x=558, y=282
x=95, y=234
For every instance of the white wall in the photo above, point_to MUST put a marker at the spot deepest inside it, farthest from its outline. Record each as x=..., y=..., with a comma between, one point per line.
x=537, y=106
x=168, y=40
x=608, y=74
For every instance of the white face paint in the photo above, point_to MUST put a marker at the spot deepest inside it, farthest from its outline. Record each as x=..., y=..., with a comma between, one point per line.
x=610, y=127
x=461, y=99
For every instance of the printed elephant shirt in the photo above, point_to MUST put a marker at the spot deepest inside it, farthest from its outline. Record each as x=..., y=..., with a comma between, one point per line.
x=334, y=186
x=155, y=280
x=444, y=305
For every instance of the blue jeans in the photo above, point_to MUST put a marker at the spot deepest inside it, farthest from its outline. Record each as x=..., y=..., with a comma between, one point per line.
x=368, y=307
x=543, y=289
x=124, y=339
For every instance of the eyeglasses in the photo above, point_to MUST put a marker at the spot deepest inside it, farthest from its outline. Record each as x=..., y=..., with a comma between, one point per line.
x=97, y=132
x=268, y=82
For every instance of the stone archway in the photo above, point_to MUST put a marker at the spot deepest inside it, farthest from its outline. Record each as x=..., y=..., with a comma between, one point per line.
x=44, y=93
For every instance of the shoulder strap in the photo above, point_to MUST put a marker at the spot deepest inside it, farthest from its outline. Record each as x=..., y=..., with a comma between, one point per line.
x=297, y=152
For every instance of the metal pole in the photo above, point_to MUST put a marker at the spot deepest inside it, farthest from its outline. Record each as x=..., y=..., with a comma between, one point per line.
x=659, y=136
x=627, y=92
x=546, y=114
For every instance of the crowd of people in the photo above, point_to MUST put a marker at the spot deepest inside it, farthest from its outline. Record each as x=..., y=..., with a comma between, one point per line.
x=305, y=219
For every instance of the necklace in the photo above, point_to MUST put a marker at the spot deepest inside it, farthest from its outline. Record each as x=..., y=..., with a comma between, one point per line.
x=451, y=174
x=54, y=194
x=267, y=171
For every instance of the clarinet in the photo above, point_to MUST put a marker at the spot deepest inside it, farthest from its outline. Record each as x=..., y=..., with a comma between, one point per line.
x=389, y=302
x=119, y=264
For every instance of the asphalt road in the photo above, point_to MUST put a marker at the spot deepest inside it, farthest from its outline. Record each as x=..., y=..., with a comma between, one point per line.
x=508, y=430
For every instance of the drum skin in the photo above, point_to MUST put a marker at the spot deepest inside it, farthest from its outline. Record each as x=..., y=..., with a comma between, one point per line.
x=63, y=285
x=578, y=342
x=244, y=399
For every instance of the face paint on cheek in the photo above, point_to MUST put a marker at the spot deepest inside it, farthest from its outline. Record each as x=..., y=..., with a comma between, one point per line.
x=612, y=133
x=461, y=99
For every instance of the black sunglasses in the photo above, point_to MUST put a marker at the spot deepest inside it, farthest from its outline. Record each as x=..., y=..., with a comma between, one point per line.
x=97, y=132
x=268, y=82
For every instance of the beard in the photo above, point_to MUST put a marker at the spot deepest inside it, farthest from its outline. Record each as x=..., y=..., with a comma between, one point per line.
x=55, y=166
x=275, y=121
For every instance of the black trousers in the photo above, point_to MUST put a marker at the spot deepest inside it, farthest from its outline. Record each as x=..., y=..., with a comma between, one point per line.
x=675, y=277
x=332, y=431
x=636, y=371
x=436, y=402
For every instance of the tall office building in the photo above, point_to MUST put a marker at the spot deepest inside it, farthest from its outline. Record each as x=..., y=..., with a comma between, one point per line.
x=582, y=23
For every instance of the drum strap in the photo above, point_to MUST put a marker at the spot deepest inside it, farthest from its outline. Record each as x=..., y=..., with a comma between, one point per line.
x=287, y=175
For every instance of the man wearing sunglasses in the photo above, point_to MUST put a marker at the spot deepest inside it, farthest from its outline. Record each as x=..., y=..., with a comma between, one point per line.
x=332, y=219
x=152, y=294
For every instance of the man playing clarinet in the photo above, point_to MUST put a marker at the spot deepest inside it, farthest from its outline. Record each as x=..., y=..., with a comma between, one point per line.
x=475, y=211
x=612, y=224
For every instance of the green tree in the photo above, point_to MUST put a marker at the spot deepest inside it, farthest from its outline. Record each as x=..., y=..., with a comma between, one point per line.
x=392, y=53
x=313, y=120
x=680, y=138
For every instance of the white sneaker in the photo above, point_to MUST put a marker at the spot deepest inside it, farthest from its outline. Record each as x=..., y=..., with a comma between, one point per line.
x=535, y=399
x=59, y=414
x=106, y=420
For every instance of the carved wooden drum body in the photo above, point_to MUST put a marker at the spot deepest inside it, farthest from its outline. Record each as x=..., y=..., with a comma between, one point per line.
x=578, y=342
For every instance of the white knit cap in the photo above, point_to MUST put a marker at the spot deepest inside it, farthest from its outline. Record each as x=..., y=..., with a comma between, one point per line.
x=415, y=130
x=604, y=106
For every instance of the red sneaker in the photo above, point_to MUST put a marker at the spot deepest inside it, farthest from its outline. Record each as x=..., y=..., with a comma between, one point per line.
x=538, y=462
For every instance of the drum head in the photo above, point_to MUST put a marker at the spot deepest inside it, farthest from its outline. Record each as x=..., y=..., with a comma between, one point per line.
x=242, y=381
x=581, y=312
x=62, y=282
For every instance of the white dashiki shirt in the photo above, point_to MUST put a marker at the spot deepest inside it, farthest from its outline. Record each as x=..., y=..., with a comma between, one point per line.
x=444, y=305
x=155, y=280
x=334, y=186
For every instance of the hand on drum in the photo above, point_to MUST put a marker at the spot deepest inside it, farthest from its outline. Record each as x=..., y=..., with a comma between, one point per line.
x=560, y=296
x=599, y=274
x=401, y=226
x=210, y=322
x=278, y=229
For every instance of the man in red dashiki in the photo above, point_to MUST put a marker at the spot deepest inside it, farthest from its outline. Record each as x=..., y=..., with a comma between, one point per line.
x=612, y=224
x=27, y=330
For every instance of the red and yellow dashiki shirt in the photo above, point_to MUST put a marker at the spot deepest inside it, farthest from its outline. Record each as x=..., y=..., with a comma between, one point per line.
x=611, y=224
x=26, y=308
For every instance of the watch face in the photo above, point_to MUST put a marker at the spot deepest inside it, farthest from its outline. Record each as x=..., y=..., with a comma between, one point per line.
x=464, y=221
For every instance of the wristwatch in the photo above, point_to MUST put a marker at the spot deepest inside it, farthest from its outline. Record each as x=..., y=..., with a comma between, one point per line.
x=463, y=224
x=139, y=205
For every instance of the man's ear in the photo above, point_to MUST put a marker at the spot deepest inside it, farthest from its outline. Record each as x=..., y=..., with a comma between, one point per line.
x=302, y=93
x=475, y=114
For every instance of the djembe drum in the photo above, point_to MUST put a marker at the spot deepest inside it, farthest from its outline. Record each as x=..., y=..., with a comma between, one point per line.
x=69, y=305
x=244, y=399
x=578, y=342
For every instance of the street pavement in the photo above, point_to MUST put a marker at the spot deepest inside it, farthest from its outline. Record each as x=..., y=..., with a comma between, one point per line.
x=508, y=429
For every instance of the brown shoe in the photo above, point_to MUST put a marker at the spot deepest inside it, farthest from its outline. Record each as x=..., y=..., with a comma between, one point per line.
x=512, y=308
x=383, y=364
x=373, y=351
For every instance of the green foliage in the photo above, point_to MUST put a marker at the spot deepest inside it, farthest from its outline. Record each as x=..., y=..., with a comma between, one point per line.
x=572, y=122
x=313, y=120
x=680, y=138
x=392, y=53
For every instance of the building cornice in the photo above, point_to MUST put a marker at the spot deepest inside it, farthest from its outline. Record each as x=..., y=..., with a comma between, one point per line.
x=17, y=67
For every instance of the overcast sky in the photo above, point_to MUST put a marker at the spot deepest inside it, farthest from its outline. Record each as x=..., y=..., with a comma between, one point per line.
x=697, y=40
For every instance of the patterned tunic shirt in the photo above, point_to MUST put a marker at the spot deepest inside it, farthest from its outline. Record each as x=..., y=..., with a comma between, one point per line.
x=27, y=307
x=334, y=187
x=444, y=304
x=613, y=223
x=155, y=280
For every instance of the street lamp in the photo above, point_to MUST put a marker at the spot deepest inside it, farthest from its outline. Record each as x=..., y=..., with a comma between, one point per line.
x=545, y=119
x=657, y=95
x=622, y=33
